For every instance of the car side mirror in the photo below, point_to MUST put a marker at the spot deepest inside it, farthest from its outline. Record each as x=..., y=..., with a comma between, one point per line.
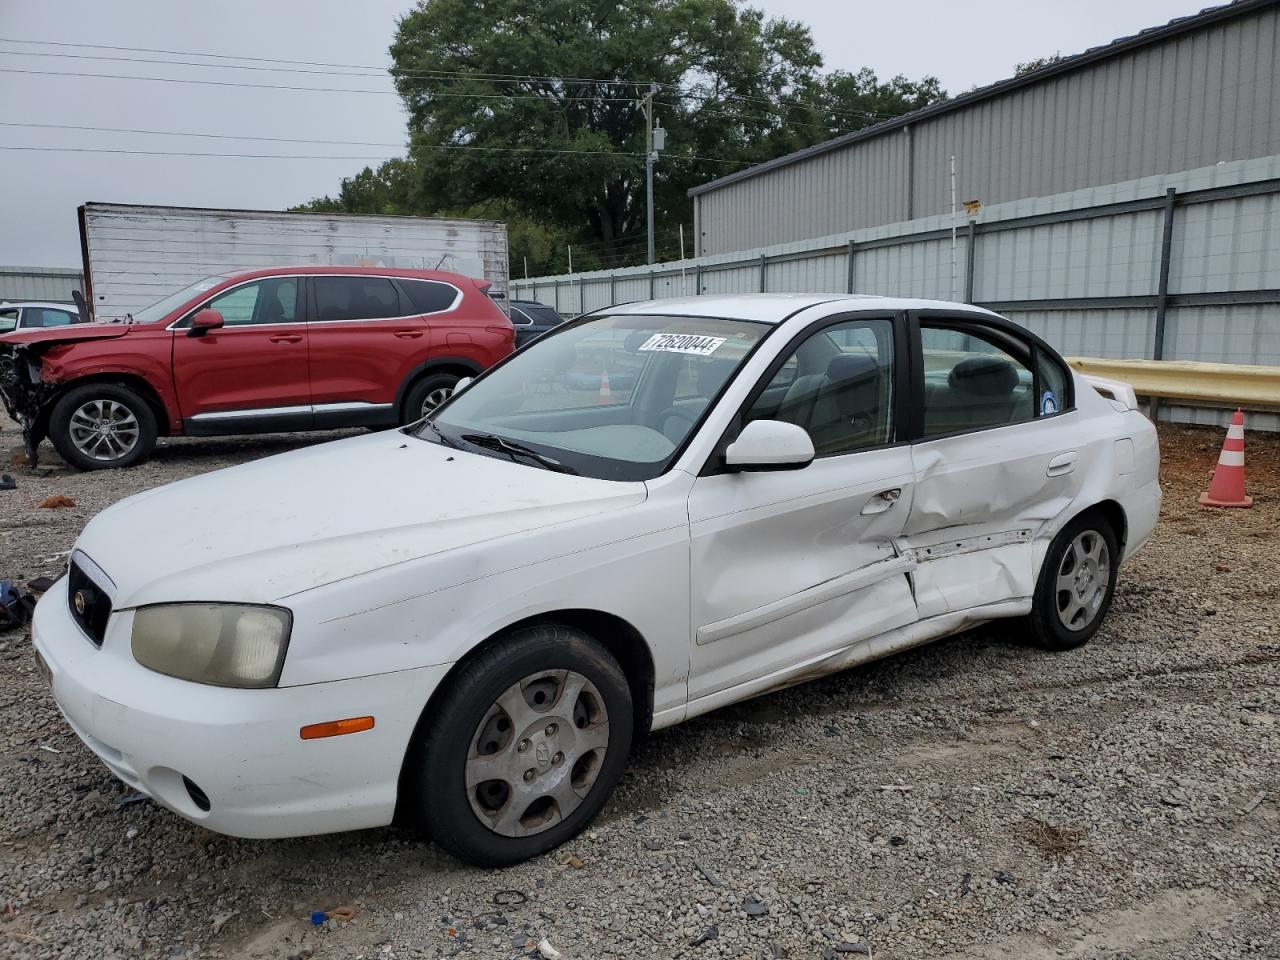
x=462, y=384
x=204, y=321
x=770, y=445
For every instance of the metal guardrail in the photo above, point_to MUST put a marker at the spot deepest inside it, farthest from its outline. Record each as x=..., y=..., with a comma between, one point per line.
x=1197, y=382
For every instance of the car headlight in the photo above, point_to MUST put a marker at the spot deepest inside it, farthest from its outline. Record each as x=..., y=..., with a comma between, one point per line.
x=227, y=645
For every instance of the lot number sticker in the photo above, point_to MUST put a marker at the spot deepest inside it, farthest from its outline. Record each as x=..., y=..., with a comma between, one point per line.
x=693, y=343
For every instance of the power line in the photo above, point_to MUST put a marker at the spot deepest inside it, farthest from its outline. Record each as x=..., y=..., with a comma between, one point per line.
x=308, y=156
x=186, y=133
x=677, y=89
x=306, y=63
x=274, y=86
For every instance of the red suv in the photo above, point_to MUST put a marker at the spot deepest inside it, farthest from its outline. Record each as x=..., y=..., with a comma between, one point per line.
x=296, y=348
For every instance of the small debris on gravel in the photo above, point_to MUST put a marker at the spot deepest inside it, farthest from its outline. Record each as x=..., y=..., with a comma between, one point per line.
x=58, y=501
x=1166, y=701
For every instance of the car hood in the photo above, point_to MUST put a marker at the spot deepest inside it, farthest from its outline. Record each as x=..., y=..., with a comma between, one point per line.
x=42, y=337
x=264, y=531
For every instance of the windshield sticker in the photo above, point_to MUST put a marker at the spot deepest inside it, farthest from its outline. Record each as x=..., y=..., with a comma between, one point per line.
x=1048, y=403
x=693, y=343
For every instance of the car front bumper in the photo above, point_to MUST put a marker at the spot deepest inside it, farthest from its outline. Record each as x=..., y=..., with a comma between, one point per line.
x=241, y=749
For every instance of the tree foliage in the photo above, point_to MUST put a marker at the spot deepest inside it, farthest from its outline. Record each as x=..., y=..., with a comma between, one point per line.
x=1031, y=66
x=534, y=108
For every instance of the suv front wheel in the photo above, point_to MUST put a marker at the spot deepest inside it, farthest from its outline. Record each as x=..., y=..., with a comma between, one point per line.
x=102, y=425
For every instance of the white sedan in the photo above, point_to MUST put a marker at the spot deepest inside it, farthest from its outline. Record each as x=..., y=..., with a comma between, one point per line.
x=653, y=511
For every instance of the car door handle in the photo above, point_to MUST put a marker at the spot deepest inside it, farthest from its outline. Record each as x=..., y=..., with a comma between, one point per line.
x=408, y=334
x=1062, y=464
x=882, y=501
x=286, y=338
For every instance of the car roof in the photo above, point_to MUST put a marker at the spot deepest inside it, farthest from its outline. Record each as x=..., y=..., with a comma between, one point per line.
x=409, y=273
x=777, y=307
x=69, y=307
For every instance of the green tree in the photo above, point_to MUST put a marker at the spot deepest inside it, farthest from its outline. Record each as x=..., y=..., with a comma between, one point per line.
x=533, y=108
x=1031, y=66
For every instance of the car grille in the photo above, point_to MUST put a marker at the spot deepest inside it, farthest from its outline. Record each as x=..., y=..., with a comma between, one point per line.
x=89, y=604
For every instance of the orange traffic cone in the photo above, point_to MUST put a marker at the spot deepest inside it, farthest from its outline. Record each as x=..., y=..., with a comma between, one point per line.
x=1226, y=489
x=605, y=395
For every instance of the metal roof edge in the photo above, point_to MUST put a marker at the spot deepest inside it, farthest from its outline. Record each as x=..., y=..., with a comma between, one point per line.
x=111, y=207
x=1195, y=21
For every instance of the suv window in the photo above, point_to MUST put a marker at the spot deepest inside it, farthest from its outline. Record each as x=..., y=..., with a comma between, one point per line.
x=273, y=300
x=839, y=385
x=356, y=298
x=429, y=296
x=970, y=383
x=8, y=321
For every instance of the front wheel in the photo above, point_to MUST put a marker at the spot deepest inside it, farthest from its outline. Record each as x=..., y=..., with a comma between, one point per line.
x=427, y=394
x=1077, y=583
x=523, y=748
x=102, y=425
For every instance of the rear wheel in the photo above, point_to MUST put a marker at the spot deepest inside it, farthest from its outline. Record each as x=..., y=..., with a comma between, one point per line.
x=523, y=748
x=427, y=394
x=1077, y=583
x=102, y=425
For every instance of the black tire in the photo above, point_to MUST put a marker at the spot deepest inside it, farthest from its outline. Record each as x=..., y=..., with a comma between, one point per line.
x=415, y=401
x=437, y=797
x=111, y=396
x=1046, y=621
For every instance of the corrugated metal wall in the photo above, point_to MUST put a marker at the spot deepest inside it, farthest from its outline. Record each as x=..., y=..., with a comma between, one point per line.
x=138, y=254
x=1190, y=101
x=39, y=283
x=1081, y=268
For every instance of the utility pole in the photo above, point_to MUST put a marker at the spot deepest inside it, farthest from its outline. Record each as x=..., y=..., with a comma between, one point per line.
x=654, y=141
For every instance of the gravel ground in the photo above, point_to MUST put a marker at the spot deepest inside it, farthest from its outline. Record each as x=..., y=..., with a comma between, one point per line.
x=975, y=798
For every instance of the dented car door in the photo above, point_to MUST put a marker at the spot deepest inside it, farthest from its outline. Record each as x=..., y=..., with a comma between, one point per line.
x=789, y=568
x=998, y=457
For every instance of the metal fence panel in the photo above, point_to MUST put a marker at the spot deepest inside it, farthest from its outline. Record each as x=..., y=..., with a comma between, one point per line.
x=1112, y=334
x=1244, y=333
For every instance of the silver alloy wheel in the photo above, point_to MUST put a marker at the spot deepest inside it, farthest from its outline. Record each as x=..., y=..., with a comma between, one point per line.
x=1083, y=580
x=537, y=752
x=435, y=398
x=104, y=430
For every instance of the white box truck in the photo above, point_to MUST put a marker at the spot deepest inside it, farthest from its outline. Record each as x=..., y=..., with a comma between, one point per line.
x=134, y=255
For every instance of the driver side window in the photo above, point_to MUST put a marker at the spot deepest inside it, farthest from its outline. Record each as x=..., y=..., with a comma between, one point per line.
x=838, y=384
x=273, y=300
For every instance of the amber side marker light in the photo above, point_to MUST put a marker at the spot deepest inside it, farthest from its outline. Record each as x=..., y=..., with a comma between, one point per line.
x=336, y=728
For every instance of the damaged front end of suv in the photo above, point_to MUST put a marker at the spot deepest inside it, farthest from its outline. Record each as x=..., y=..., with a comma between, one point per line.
x=25, y=394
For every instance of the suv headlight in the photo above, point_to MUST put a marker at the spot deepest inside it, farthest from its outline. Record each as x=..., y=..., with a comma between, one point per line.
x=224, y=644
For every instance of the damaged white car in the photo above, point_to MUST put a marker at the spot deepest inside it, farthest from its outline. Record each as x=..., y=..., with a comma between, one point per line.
x=651, y=512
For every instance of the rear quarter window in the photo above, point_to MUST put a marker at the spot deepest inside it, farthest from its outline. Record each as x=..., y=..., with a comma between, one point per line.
x=429, y=296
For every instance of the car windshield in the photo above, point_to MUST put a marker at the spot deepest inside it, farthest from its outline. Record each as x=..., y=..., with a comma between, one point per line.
x=162, y=308
x=612, y=397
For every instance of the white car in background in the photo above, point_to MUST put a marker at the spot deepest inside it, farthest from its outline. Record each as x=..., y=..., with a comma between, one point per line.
x=471, y=620
x=36, y=315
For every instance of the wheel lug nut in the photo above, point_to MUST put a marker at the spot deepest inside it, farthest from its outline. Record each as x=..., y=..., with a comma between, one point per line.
x=558, y=759
x=551, y=730
x=529, y=775
x=524, y=745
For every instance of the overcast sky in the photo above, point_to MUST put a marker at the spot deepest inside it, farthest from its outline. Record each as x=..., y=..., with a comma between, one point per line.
x=964, y=44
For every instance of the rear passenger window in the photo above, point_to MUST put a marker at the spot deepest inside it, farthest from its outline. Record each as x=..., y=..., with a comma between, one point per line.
x=429, y=296
x=970, y=383
x=838, y=385
x=1052, y=386
x=356, y=298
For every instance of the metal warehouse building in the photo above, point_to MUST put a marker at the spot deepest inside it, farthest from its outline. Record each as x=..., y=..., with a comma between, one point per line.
x=1193, y=93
